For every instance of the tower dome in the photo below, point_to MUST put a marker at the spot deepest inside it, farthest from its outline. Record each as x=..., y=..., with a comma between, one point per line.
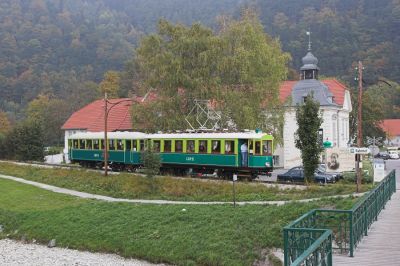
x=309, y=60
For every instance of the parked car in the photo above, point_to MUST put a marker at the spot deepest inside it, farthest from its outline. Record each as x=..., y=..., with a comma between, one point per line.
x=296, y=174
x=322, y=169
x=393, y=155
x=383, y=155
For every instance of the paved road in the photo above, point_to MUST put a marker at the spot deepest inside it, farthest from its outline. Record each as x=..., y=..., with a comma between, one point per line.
x=382, y=245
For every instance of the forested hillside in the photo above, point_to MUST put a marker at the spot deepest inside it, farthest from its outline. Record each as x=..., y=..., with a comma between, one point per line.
x=63, y=49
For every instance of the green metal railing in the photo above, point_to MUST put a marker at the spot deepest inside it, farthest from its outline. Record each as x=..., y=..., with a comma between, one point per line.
x=310, y=239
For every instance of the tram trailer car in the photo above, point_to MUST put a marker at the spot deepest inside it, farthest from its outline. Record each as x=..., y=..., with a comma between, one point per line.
x=124, y=149
x=197, y=154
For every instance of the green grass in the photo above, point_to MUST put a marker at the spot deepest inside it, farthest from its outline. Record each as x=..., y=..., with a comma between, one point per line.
x=201, y=235
x=131, y=186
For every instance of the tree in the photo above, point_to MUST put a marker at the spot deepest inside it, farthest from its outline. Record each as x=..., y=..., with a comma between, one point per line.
x=50, y=113
x=240, y=67
x=5, y=125
x=26, y=142
x=110, y=84
x=306, y=137
x=152, y=162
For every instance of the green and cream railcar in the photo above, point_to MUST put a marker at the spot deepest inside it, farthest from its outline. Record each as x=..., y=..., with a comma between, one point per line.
x=124, y=149
x=206, y=152
x=181, y=153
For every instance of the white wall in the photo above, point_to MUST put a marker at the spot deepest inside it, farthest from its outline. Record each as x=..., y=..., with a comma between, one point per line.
x=335, y=126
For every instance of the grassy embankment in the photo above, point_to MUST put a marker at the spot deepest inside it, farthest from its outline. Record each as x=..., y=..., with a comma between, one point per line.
x=126, y=185
x=201, y=235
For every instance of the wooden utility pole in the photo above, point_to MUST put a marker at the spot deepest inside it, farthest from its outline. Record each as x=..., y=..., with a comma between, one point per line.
x=105, y=135
x=359, y=124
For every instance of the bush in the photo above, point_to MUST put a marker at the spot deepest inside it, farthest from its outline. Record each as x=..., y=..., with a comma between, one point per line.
x=351, y=177
x=151, y=162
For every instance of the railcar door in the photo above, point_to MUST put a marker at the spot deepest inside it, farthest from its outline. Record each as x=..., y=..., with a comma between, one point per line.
x=243, y=154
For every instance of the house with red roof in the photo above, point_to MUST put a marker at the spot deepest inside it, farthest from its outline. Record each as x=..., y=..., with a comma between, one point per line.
x=91, y=117
x=335, y=106
x=391, y=127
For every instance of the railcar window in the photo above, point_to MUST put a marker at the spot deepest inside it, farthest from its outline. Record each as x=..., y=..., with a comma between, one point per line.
x=102, y=144
x=190, y=146
x=75, y=144
x=178, y=145
x=120, y=145
x=216, y=146
x=89, y=144
x=96, y=144
x=111, y=144
x=167, y=145
x=82, y=144
x=142, y=144
x=128, y=144
x=203, y=146
x=251, y=150
x=229, y=146
x=267, y=147
x=258, y=148
x=134, y=145
x=156, y=145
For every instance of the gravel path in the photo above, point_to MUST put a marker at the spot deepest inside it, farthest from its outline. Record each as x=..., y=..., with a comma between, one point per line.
x=111, y=199
x=17, y=253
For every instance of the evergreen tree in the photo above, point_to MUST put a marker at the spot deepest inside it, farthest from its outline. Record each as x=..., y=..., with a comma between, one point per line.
x=26, y=142
x=306, y=137
x=151, y=161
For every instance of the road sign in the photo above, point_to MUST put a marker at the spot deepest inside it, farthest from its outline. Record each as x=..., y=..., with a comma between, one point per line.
x=362, y=150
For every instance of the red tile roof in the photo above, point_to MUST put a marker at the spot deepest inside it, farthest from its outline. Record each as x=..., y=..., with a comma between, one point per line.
x=391, y=127
x=334, y=86
x=91, y=117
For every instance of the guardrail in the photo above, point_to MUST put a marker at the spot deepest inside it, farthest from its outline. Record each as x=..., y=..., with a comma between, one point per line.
x=311, y=239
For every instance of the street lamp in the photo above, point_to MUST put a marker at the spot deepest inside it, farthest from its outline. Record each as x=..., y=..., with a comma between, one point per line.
x=106, y=112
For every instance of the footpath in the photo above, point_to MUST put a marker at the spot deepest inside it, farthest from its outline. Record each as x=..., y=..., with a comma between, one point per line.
x=111, y=199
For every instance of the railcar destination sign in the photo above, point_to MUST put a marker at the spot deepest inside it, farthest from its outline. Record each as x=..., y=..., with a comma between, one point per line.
x=362, y=150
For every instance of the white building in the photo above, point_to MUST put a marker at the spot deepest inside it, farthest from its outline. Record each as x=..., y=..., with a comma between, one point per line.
x=335, y=105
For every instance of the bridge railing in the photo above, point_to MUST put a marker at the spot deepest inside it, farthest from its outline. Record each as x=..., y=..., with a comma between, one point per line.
x=306, y=239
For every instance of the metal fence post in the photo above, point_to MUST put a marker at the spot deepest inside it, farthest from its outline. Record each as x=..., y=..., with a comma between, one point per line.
x=351, y=235
x=285, y=247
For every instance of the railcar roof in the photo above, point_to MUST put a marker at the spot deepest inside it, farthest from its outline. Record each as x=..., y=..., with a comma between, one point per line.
x=208, y=135
x=140, y=135
x=110, y=135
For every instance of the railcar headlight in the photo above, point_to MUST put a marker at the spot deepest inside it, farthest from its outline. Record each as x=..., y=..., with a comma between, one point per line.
x=267, y=164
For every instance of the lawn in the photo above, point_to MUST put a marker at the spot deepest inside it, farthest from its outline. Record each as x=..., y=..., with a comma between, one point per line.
x=198, y=235
x=126, y=185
